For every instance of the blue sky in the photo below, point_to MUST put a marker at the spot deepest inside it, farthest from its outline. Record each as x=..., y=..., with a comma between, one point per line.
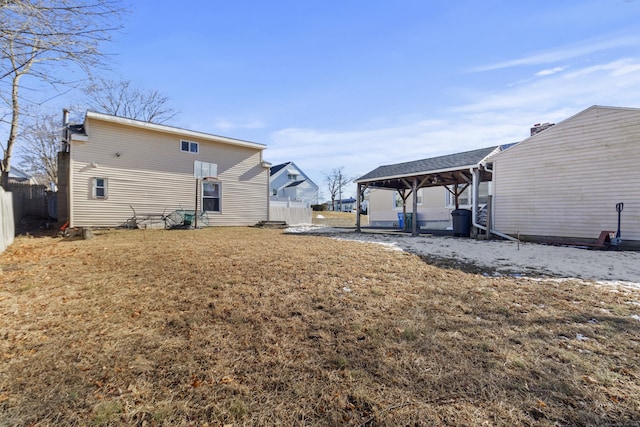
x=358, y=84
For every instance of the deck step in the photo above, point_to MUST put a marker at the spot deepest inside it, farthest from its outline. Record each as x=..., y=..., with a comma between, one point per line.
x=272, y=224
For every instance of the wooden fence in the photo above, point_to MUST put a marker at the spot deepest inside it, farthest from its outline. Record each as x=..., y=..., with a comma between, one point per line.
x=30, y=200
x=23, y=200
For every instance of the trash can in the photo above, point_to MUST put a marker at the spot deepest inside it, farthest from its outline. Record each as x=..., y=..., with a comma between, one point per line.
x=461, y=222
x=400, y=220
x=409, y=220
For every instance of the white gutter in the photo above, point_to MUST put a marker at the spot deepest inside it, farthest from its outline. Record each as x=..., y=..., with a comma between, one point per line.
x=474, y=206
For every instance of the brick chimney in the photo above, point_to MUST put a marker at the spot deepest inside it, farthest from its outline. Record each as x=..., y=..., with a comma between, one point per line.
x=539, y=127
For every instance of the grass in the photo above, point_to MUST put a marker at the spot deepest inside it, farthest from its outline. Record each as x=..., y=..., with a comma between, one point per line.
x=338, y=219
x=243, y=326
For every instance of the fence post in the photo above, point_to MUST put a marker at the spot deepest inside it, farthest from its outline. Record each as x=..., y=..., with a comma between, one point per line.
x=7, y=222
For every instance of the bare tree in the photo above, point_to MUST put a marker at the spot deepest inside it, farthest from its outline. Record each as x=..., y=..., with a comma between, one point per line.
x=121, y=98
x=39, y=145
x=336, y=182
x=37, y=36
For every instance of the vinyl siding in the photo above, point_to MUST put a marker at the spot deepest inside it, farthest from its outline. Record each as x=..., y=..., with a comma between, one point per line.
x=432, y=209
x=566, y=181
x=154, y=176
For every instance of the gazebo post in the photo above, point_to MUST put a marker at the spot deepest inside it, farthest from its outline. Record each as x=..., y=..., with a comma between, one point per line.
x=358, y=208
x=414, y=223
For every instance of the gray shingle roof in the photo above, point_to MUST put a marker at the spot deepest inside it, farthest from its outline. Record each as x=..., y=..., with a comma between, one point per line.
x=296, y=183
x=275, y=169
x=451, y=161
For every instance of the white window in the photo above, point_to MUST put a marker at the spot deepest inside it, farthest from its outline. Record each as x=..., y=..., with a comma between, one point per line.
x=189, y=147
x=464, y=199
x=398, y=203
x=292, y=177
x=99, y=188
x=211, y=196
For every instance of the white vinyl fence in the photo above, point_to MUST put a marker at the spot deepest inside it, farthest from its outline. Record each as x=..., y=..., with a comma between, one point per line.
x=293, y=213
x=7, y=224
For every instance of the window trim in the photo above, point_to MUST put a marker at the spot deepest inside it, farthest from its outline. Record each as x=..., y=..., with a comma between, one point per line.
x=202, y=197
x=450, y=202
x=396, y=198
x=95, y=187
x=191, y=144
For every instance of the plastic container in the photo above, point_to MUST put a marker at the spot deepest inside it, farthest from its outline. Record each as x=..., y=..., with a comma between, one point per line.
x=409, y=221
x=407, y=218
x=461, y=222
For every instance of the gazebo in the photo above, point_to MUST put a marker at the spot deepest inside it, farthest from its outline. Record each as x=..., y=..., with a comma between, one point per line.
x=455, y=172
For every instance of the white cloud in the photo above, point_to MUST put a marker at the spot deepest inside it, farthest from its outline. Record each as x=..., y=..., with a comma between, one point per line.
x=226, y=124
x=549, y=72
x=488, y=118
x=580, y=88
x=564, y=53
x=317, y=151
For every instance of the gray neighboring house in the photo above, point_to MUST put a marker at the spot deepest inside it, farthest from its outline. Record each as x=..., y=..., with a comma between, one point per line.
x=288, y=183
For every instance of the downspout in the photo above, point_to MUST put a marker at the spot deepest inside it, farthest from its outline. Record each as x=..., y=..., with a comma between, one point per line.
x=66, y=135
x=474, y=206
x=358, y=186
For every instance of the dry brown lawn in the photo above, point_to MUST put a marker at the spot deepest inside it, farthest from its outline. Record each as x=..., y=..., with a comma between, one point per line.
x=244, y=326
x=338, y=219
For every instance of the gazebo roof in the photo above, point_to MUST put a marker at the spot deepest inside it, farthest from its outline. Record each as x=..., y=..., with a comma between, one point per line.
x=435, y=171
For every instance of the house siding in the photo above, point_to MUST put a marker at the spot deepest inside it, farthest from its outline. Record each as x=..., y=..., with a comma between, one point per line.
x=566, y=181
x=304, y=192
x=153, y=176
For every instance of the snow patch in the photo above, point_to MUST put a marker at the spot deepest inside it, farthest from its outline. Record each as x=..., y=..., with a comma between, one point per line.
x=619, y=270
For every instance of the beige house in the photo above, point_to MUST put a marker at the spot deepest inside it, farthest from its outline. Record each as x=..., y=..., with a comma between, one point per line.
x=563, y=184
x=111, y=164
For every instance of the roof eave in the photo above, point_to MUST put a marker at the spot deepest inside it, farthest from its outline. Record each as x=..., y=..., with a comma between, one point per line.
x=383, y=178
x=173, y=130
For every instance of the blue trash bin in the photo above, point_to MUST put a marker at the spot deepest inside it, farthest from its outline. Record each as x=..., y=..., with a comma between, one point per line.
x=401, y=220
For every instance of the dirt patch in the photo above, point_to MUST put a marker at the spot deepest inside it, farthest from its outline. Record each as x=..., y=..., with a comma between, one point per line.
x=246, y=326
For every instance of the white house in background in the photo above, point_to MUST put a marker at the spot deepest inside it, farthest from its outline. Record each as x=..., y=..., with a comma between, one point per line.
x=288, y=182
x=110, y=164
x=17, y=175
x=563, y=183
